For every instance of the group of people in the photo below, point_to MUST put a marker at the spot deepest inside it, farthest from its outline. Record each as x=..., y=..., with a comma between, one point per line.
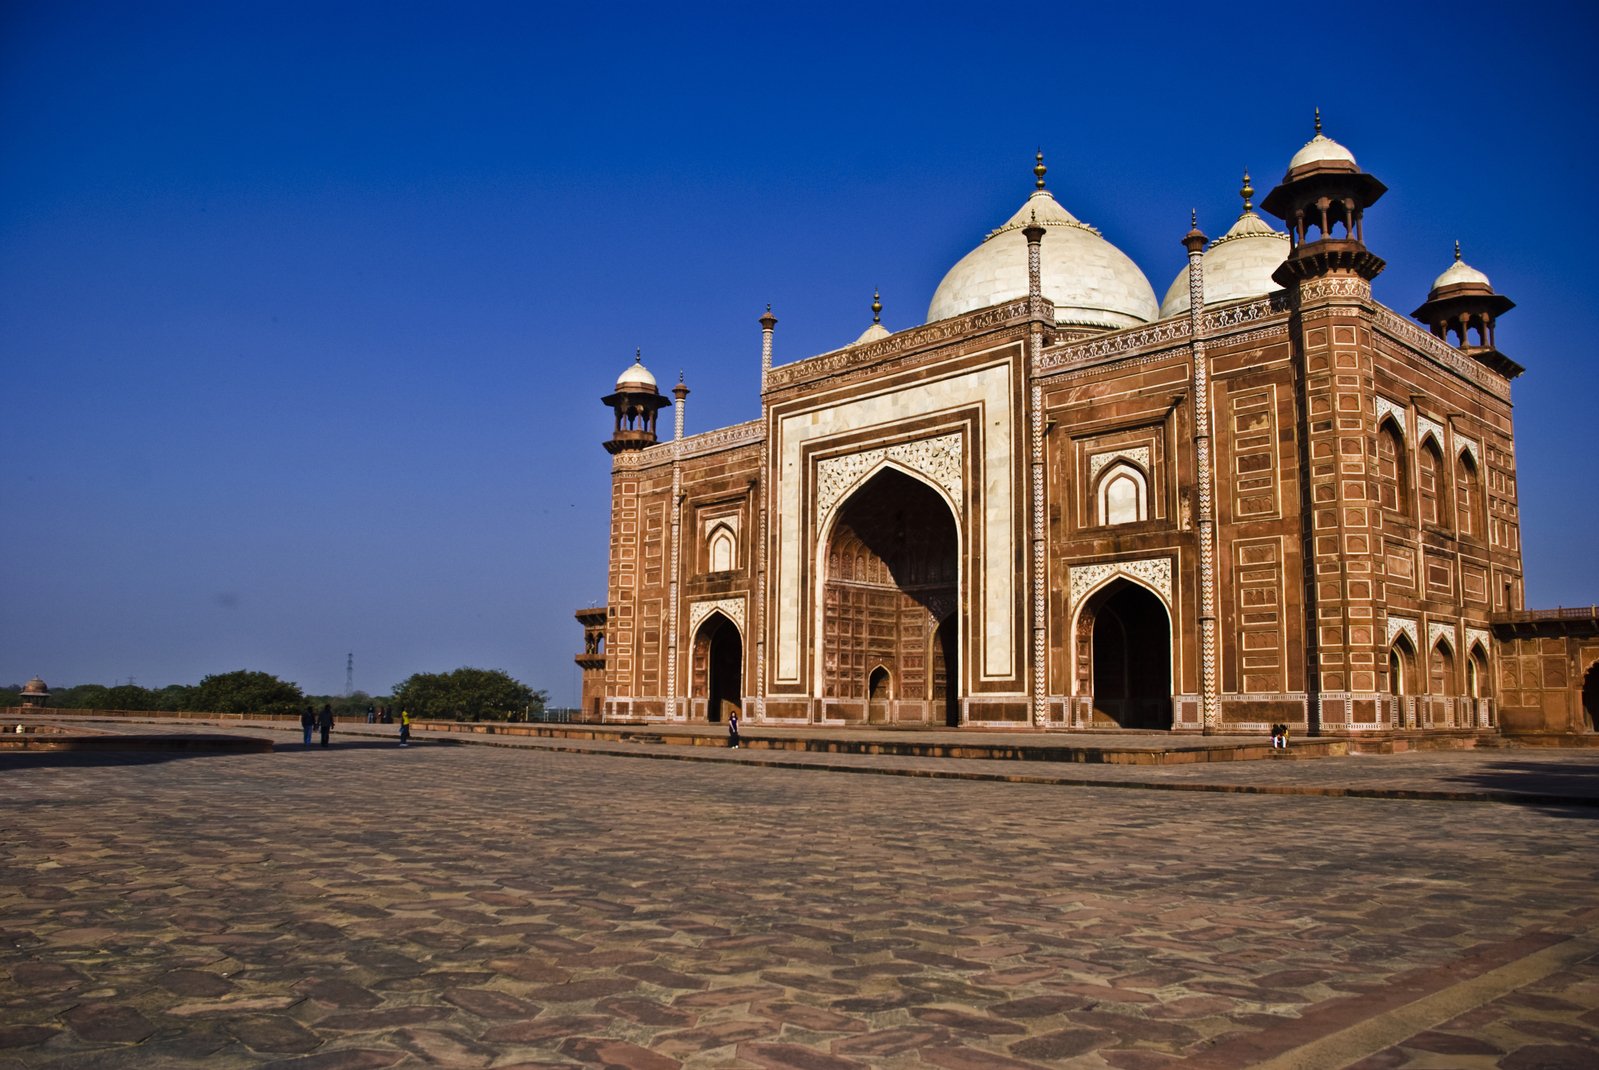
x=323, y=721
x=1279, y=737
x=311, y=719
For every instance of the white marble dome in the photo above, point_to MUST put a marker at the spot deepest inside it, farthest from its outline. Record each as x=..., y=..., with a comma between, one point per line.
x=637, y=379
x=1238, y=264
x=1460, y=273
x=1321, y=149
x=1091, y=282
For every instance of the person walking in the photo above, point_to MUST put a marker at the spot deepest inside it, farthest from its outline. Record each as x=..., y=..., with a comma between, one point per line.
x=324, y=722
x=308, y=722
x=732, y=731
x=405, y=728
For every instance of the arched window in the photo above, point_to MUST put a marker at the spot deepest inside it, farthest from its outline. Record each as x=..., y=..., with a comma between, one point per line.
x=1430, y=483
x=1477, y=672
x=1123, y=495
x=1401, y=667
x=1393, y=479
x=1468, y=495
x=723, y=549
x=1441, y=669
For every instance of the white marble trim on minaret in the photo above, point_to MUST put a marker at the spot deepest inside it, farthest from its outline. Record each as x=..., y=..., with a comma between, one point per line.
x=762, y=503
x=1035, y=401
x=677, y=538
x=1209, y=667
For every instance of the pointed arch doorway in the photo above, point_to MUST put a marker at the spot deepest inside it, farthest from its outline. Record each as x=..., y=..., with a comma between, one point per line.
x=890, y=595
x=1128, y=631
x=719, y=667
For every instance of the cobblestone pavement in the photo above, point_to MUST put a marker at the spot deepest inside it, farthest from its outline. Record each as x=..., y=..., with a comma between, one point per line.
x=367, y=906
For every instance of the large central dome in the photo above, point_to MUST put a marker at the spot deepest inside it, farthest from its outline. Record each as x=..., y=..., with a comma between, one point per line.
x=1091, y=282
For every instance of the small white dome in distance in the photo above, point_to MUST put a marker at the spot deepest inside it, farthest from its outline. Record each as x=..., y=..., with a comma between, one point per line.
x=1460, y=273
x=637, y=378
x=1091, y=282
x=876, y=330
x=1238, y=264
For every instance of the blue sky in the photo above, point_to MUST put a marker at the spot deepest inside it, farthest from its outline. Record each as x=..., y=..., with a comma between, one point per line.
x=306, y=309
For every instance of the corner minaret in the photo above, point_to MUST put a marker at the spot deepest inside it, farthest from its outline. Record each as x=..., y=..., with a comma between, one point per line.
x=636, y=402
x=1328, y=274
x=1323, y=199
x=1462, y=302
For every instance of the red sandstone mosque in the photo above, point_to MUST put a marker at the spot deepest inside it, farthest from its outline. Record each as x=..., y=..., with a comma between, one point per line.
x=1065, y=505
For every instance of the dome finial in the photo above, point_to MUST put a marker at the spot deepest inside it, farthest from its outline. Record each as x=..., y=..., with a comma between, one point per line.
x=1457, y=250
x=1318, y=120
x=1039, y=169
x=1247, y=192
x=877, y=306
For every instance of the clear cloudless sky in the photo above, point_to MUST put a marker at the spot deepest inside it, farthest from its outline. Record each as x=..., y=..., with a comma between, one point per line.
x=306, y=308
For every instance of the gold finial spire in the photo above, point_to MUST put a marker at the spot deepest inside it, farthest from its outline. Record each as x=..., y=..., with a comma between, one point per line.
x=638, y=355
x=1318, y=121
x=1039, y=169
x=1457, y=249
x=1247, y=192
x=877, y=306
x=1193, y=218
x=768, y=306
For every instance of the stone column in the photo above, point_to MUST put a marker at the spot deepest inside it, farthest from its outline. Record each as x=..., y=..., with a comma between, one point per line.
x=680, y=392
x=762, y=500
x=1204, y=520
x=1040, y=595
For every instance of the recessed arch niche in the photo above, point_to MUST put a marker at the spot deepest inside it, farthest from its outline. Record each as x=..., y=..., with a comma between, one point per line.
x=889, y=589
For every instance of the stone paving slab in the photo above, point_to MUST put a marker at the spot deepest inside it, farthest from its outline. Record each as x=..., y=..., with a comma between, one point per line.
x=1509, y=774
x=367, y=906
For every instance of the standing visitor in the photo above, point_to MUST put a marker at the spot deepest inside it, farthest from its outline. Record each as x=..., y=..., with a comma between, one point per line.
x=405, y=728
x=324, y=722
x=308, y=722
x=732, y=731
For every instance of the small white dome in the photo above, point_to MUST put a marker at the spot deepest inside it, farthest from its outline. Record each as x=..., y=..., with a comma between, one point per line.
x=636, y=379
x=872, y=334
x=1238, y=264
x=1458, y=273
x=1322, y=149
x=1091, y=282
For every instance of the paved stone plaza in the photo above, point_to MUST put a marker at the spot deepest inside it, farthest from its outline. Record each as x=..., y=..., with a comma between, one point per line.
x=368, y=906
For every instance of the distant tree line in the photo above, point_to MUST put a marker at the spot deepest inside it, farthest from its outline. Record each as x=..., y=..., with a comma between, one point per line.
x=463, y=695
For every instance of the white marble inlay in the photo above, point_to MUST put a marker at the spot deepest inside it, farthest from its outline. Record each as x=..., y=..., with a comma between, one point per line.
x=992, y=589
x=1139, y=455
x=939, y=459
x=1471, y=447
x=732, y=608
x=1479, y=635
x=1390, y=408
x=1437, y=629
x=1402, y=624
x=1153, y=572
x=1425, y=427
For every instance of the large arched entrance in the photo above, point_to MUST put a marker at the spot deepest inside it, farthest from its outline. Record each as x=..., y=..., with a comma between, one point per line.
x=719, y=667
x=1130, y=635
x=890, y=591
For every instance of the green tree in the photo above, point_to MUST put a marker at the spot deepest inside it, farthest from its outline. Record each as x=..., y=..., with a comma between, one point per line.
x=82, y=697
x=174, y=697
x=467, y=695
x=244, y=691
